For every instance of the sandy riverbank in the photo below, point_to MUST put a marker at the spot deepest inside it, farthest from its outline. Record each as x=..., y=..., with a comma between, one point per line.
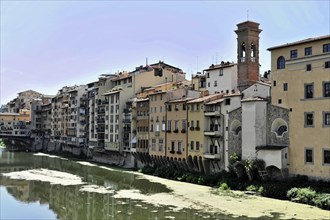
x=236, y=203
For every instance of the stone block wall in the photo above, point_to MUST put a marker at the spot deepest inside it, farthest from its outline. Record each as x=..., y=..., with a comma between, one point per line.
x=234, y=141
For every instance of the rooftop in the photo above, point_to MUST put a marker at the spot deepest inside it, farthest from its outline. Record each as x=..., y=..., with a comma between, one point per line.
x=221, y=65
x=205, y=98
x=308, y=40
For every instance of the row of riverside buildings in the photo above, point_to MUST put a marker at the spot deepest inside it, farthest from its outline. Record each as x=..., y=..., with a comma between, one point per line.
x=154, y=116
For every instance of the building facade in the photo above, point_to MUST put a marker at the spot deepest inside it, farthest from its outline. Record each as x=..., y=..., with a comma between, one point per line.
x=301, y=83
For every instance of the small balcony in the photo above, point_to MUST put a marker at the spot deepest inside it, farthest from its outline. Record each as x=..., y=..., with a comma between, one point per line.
x=176, y=131
x=183, y=131
x=192, y=128
x=212, y=156
x=156, y=133
x=212, y=113
x=212, y=153
x=216, y=133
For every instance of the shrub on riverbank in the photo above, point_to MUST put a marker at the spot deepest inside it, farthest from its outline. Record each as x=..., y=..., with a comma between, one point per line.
x=309, y=196
x=271, y=189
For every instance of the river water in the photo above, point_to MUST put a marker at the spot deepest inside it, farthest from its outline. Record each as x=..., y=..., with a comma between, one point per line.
x=40, y=186
x=39, y=199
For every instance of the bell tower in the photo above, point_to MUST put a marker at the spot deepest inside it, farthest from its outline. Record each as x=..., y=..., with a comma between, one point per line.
x=247, y=54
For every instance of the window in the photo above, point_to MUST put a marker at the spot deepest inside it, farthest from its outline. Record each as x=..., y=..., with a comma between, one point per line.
x=160, y=109
x=293, y=54
x=280, y=101
x=163, y=125
x=197, y=145
x=326, y=48
x=308, y=67
x=197, y=107
x=179, y=147
x=274, y=83
x=184, y=124
x=285, y=86
x=153, y=144
x=197, y=124
x=169, y=125
x=221, y=72
x=157, y=126
x=192, y=145
x=326, y=157
x=326, y=119
x=184, y=107
x=326, y=89
x=327, y=64
x=176, y=125
x=161, y=144
x=208, y=84
x=308, y=155
x=176, y=108
x=227, y=101
x=308, y=51
x=281, y=63
x=172, y=146
x=309, y=89
x=169, y=107
x=309, y=119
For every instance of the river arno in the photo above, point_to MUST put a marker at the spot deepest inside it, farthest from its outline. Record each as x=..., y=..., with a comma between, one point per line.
x=39, y=186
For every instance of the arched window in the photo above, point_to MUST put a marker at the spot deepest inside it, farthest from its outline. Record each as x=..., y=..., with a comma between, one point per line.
x=279, y=127
x=253, y=52
x=281, y=63
x=235, y=127
x=243, y=52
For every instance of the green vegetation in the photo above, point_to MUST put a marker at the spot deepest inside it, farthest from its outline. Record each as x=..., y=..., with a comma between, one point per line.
x=316, y=193
x=309, y=196
x=224, y=186
x=2, y=143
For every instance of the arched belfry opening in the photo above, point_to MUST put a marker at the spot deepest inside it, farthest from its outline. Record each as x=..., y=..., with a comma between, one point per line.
x=247, y=53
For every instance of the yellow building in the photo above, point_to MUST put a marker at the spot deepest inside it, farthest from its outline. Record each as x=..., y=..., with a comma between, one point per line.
x=176, y=137
x=15, y=124
x=301, y=83
x=157, y=120
x=196, y=138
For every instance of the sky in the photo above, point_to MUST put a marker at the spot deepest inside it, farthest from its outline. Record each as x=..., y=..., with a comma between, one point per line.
x=49, y=44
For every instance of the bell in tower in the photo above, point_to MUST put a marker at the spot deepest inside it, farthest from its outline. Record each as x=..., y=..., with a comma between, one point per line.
x=247, y=54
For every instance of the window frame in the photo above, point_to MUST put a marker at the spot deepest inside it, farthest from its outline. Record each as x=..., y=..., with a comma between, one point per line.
x=308, y=51
x=323, y=157
x=326, y=64
x=293, y=53
x=306, y=120
x=326, y=48
x=305, y=155
x=306, y=96
x=280, y=63
x=285, y=87
x=326, y=89
x=324, y=114
x=308, y=67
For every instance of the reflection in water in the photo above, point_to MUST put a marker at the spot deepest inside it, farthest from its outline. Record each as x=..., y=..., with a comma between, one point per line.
x=68, y=202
